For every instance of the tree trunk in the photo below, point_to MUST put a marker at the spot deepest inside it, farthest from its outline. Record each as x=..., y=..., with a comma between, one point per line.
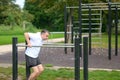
x=69, y=25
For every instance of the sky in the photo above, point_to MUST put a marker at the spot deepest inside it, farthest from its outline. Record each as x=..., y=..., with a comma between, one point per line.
x=20, y=3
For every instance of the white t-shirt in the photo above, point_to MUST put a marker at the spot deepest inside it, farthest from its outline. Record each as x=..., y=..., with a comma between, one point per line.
x=36, y=40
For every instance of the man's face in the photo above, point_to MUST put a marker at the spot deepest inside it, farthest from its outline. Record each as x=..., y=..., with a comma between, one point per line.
x=45, y=36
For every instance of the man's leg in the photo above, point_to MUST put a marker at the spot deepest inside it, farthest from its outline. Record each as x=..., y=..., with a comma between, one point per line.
x=37, y=70
x=41, y=68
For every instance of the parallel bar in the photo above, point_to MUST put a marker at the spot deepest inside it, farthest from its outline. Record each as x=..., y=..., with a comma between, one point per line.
x=80, y=25
x=116, y=31
x=65, y=27
x=72, y=33
x=109, y=31
x=60, y=32
x=77, y=59
x=67, y=44
x=27, y=66
x=48, y=46
x=93, y=7
x=90, y=30
x=14, y=59
x=85, y=59
x=91, y=14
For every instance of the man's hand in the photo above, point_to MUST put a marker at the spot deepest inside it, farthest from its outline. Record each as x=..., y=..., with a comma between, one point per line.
x=29, y=45
x=27, y=38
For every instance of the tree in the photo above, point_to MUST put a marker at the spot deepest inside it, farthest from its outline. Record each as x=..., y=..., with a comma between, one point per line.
x=11, y=14
x=48, y=13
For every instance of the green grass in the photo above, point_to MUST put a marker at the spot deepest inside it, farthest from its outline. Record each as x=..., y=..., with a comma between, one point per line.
x=7, y=39
x=104, y=41
x=62, y=74
x=6, y=34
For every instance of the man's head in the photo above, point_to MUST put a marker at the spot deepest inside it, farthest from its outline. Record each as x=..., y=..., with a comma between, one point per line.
x=45, y=34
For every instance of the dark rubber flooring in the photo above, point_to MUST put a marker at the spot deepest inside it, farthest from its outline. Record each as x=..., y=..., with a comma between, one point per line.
x=57, y=57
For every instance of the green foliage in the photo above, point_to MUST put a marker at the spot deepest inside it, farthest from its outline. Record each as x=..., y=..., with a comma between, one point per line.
x=12, y=15
x=50, y=13
x=43, y=14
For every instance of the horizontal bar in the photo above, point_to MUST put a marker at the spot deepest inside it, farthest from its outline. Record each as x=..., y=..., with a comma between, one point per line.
x=92, y=7
x=100, y=9
x=91, y=28
x=91, y=24
x=59, y=32
x=58, y=44
x=92, y=14
x=115, y=3
x=46, y=46
x=88, y=19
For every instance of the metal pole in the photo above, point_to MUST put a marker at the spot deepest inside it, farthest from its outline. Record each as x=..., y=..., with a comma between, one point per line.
x=14, y=59
x=109, y=31
x=80, y=24
x=89, y=30
x=77, y=60
x=85, y=59
x=72, y=35
x=27, y=67
x=116, y=31
x=65, y=27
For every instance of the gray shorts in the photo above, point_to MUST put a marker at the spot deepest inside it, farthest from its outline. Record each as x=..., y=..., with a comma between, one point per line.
x=31, y=62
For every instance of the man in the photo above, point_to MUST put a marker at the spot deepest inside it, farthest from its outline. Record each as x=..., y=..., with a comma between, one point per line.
x=32, y=53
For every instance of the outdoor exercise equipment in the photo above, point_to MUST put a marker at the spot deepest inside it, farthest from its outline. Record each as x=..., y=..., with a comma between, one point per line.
x=77, y=45
x=90, y=7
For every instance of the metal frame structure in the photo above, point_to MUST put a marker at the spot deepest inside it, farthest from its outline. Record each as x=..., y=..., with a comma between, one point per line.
x=99, y=6
x=76, y=55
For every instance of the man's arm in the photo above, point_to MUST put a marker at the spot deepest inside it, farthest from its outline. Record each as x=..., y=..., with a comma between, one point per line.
x=27, y=38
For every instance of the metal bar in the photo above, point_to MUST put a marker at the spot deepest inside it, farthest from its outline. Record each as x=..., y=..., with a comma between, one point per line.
x=80, y=24
x=86, y=7
x=59, y=32
x=27, y=67
x=98, y=8
x=91, y=28
x=102, y=3
x=48, y=46
x=58, y=44
x=92, y=14
x=65, y=27
x=109, y=31
x=88, y=19
x=90, y=24
x=116, y=31
x=77, y=59
x=72, y=34
x=85, y=59
x=14, y=59
x=95, y=7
